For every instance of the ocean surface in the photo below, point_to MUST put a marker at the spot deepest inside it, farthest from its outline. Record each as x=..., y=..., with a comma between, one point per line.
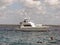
x=29, y=38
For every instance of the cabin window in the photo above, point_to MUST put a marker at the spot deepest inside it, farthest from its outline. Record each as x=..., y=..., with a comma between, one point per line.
x=28, y=25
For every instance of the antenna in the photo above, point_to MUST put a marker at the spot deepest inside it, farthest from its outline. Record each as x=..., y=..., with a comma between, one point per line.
x=26, y=16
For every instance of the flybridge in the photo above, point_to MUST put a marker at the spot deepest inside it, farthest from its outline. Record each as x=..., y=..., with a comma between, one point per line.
x=26, y=23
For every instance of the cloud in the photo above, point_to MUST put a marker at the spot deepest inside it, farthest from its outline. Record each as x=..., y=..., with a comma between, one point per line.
x=31, y=3
x=53, y=2
x=39, y=11
x=2, y=16
x=3, y=6
x=8, y=1
x=5, y=3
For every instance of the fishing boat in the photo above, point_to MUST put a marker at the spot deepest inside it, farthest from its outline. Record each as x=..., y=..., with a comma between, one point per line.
x=26, y=25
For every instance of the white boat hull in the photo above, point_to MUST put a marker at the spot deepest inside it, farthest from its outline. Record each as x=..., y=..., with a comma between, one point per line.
x=33, y=29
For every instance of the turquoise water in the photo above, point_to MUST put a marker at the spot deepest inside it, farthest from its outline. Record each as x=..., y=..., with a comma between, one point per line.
x=29, y=38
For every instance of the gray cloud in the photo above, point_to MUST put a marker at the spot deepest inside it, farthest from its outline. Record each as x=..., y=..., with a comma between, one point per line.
x=5, y=3
x=45, y=12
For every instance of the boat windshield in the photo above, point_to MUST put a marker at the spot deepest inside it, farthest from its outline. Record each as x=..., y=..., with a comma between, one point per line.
x=27, y=25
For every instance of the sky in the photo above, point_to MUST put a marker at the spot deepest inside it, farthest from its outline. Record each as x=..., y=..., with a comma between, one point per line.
x=38, y=11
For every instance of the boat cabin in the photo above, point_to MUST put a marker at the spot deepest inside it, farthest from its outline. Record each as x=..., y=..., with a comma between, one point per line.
x=26, y=23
